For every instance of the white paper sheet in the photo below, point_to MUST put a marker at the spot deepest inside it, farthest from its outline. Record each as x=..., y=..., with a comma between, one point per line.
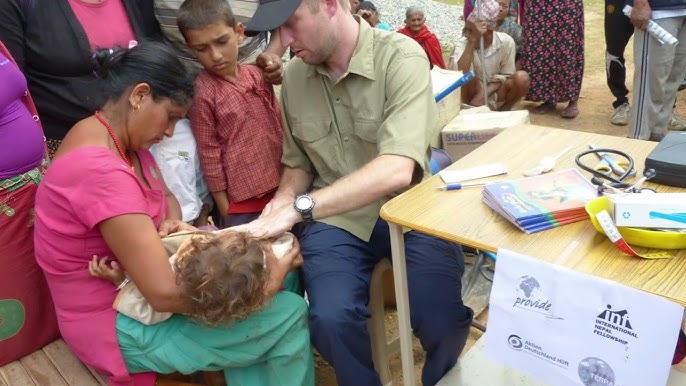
x=569, y=328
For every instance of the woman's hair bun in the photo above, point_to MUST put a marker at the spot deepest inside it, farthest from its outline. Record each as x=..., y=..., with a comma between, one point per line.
x=105, y=58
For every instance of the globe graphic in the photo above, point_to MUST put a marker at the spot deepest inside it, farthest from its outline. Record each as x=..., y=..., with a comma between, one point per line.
x=528, y=285
x=596, y=372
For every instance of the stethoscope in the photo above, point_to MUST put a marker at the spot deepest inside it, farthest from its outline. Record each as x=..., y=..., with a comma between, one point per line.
x=608, y=181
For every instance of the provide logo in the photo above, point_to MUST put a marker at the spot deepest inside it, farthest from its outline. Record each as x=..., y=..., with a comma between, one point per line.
x=531, y=298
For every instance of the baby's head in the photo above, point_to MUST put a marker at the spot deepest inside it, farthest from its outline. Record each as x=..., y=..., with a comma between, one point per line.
x=223, y=276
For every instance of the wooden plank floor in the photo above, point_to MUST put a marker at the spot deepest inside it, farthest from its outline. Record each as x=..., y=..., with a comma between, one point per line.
x=53, y=365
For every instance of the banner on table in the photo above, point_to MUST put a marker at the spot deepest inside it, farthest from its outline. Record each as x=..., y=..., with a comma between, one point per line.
x=569, y=328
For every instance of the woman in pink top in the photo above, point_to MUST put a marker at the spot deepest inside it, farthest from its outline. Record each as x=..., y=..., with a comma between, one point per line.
x=104, y=195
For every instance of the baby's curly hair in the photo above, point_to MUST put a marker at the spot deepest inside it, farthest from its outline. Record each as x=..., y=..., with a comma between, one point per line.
x=223, y=277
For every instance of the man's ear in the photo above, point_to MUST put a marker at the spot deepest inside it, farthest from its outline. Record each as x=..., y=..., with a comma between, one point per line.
x=239, y=30
x=331, y=7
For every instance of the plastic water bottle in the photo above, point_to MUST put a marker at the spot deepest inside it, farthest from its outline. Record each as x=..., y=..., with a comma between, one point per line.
x=654, y=29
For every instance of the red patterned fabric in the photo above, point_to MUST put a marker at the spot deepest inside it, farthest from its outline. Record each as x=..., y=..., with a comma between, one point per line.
x=680, y=351
x=553, y=49
x=429, y=43
x=239, y=132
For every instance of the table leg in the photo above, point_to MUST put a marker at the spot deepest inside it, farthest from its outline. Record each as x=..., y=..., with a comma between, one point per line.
x=402, y=303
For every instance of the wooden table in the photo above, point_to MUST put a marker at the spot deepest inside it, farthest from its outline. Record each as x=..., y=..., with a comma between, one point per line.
x=462, y=217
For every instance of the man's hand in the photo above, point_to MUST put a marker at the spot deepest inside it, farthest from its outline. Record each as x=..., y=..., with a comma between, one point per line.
x=272, y=66
x=172, y=226
x=277, y=201
x=475, y=30
x=365, y=14
x=640, y=14
x=280, y=219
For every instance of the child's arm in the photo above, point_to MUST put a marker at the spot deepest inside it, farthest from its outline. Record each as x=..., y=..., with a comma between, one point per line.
x=98, y=268
x=221, y=200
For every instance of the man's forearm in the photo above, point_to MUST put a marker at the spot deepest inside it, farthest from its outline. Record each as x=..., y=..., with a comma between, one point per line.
x=274, y=45
x=294, y=182
x=380, y=177
x=464, y=64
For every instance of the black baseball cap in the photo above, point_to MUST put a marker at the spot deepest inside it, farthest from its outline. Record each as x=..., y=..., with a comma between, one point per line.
x=270, y=15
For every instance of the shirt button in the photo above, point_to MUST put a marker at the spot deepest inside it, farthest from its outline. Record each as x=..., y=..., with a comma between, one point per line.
x=338, y=101
x=345, y=139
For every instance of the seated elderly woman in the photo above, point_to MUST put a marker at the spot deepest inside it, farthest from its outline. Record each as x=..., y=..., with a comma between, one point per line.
x=103, y=195
x=415, y=27
x=505, y=85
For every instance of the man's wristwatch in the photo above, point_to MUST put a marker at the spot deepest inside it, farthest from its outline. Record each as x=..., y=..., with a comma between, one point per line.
x=304, y=204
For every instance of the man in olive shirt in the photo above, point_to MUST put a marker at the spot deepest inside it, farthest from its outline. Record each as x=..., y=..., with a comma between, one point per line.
x=358, y=118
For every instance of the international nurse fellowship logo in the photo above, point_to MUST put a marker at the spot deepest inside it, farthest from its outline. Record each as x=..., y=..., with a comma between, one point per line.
x=530, y=297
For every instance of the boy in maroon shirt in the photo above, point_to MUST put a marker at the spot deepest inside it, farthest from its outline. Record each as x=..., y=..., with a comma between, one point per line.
x=235, y=117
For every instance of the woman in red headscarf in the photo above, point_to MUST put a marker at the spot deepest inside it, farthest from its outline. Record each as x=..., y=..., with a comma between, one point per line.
x=417, y=30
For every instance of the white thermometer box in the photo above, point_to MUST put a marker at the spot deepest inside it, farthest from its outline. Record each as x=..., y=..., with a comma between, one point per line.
x=650, y=210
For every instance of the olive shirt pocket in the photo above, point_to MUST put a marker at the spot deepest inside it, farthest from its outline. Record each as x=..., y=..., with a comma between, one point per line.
x=319, y=142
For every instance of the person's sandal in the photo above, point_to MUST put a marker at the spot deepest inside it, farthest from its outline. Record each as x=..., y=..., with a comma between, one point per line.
x=570, y=112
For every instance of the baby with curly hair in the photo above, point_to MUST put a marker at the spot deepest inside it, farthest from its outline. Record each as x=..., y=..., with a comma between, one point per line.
x=223, y=275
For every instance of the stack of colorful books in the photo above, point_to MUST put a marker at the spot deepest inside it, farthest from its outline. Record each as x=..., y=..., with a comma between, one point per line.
x=541, y=202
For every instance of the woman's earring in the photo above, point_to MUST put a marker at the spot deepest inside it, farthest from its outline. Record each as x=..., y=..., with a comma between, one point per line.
x=136, y=107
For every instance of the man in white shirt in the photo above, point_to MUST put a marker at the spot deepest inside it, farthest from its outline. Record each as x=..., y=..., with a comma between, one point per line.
x=506, y=86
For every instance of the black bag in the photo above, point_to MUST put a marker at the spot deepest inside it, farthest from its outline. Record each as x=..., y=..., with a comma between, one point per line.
x=668, y=160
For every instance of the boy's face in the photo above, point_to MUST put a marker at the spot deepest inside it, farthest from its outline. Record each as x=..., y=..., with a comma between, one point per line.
x=415, y=22
x=216, y=47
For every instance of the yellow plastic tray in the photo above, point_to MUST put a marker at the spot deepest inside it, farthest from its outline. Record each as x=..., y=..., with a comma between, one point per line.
x=636, y=236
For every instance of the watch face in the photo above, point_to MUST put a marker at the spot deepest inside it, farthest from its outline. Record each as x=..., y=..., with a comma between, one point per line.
x=303, y=202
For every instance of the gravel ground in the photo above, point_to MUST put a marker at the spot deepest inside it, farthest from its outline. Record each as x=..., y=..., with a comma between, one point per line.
x=442, y=19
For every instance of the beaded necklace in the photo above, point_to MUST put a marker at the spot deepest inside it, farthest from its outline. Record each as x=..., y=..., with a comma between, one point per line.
x=123, y=155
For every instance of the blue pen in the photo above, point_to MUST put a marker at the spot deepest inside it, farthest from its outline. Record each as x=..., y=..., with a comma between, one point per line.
x=459, y=186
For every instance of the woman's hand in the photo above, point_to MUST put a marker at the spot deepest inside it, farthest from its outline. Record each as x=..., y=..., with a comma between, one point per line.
x=172, y=226
x=98, y=267
x=280, y=267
